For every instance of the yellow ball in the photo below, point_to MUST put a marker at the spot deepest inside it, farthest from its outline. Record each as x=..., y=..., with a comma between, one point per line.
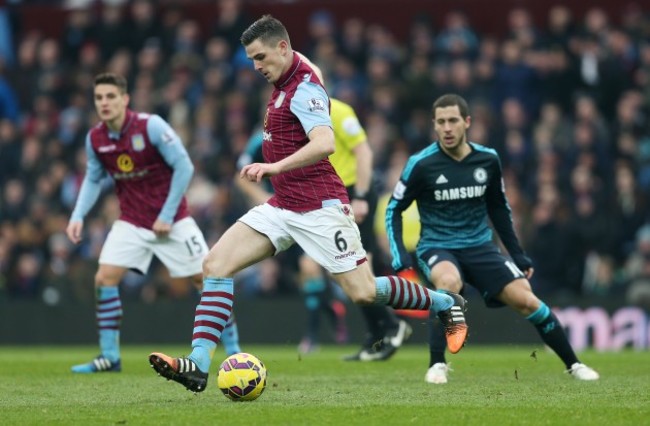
x=242, y=377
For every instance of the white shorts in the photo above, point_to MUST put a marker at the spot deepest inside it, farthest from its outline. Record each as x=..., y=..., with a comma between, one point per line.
x=131, y=247
x=328, y=235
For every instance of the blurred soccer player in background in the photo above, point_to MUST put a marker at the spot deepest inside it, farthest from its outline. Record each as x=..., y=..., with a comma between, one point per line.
x=151, y=170
x=459, y=189
x=310, y=207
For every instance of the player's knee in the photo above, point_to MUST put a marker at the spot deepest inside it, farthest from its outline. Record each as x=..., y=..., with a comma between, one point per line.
x=211, y=266
x=448, y=281
x=104, y=279
x=524, y=308
x=215, y=265
x=529, y=304
x=521, y=298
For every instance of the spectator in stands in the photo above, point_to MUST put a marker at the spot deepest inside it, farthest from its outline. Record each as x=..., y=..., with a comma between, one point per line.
x=143, y=26
x=522, y=28
x=457, y=39
x=112, y=33
x=231, y=21
x=79, y=28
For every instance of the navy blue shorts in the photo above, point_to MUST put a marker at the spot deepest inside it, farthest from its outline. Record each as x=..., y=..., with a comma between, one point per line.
x=484, y=268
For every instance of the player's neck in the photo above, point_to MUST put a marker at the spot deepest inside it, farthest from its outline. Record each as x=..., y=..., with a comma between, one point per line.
x=115, y=125
x=459, y=152
x=292, y=60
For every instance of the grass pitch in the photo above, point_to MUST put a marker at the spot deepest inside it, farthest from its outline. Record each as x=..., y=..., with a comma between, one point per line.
x=489, y=385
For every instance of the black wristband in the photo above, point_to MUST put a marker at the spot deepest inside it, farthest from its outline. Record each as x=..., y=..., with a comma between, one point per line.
x=357, y=195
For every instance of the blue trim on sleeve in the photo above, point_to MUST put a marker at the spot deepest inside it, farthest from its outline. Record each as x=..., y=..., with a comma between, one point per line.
x=91, y=185
x=310, y=104
x=415, y=158
x=483, y=148
x=393, y=245
x=393, y=223
x=167, y=142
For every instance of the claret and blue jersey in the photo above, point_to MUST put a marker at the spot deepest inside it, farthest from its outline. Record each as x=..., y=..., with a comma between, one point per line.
x=149, y=165
x=298, y=104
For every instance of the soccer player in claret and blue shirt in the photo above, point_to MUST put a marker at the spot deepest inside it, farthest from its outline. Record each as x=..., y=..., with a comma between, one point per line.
x=459, y=188
x=310, y=207
x=151, y=171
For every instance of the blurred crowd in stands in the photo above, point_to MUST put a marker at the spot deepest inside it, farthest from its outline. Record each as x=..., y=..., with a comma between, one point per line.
x=565, y=104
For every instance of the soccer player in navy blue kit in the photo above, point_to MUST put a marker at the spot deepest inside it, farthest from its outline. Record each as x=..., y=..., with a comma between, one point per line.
x=309, y=207
x=151, y=170
x=459, y=188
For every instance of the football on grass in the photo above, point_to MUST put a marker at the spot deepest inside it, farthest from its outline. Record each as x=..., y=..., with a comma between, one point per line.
x=242, y=377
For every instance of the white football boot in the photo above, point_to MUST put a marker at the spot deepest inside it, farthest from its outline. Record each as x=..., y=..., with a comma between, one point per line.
x=437, y=373
x=581, y=372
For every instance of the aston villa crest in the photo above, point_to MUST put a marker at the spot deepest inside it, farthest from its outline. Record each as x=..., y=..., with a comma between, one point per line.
x=137, y=141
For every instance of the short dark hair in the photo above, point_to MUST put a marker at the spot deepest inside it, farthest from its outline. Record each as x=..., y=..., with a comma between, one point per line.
x=267, y=29
x=112, y=78
x=451, y=99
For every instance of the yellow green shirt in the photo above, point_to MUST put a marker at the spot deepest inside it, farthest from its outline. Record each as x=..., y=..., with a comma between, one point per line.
x=410, y=222
x=348, y=133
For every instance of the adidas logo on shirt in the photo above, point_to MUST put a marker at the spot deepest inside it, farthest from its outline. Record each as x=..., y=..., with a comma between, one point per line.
x=442, y=179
